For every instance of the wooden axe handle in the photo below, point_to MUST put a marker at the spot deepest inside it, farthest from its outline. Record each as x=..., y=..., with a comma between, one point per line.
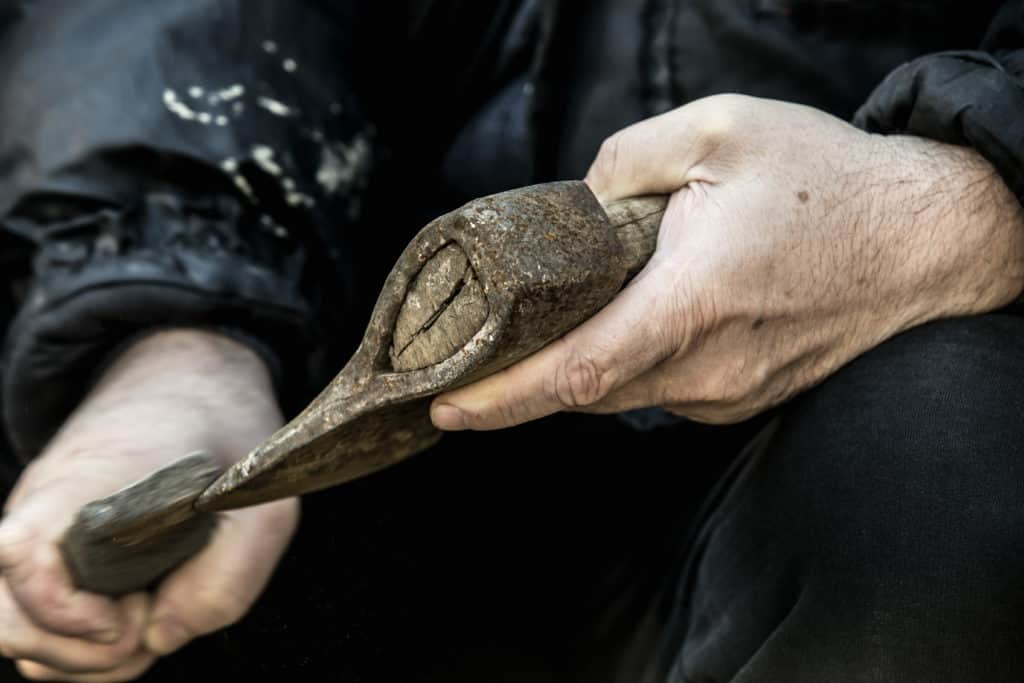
x=129, y=540
x=636, y=221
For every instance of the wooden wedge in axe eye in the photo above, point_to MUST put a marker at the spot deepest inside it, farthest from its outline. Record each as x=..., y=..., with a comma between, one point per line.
x=475, y=291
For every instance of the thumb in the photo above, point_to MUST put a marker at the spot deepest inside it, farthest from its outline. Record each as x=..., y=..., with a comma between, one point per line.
x=664, y=153
x=623, y=340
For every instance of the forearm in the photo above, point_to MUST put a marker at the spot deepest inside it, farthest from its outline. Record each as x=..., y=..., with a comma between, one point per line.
x=203, y=374
x=197, y=208
x=954, y=228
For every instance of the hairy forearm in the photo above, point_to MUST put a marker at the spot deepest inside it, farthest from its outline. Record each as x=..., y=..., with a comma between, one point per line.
x=201, y=373
x=962, y=229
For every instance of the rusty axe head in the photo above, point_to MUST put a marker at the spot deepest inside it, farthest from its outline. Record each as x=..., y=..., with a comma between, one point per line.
x=476, y=290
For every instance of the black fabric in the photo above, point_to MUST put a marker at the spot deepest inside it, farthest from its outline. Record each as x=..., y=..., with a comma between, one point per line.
x=517, y=559
x=205, y=163
x=172, y=163
x=125, y=212
x=962, y=97
x=827, y=54
x=124, y=188
x=871, y=532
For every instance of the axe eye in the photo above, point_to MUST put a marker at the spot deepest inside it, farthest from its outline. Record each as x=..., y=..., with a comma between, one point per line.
x=444, y=307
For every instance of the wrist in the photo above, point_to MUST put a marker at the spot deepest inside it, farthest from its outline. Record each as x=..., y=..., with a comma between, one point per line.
x=191, y=389
x=959, y=229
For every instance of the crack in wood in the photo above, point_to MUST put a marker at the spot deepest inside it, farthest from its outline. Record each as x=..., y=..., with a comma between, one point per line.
x=444, y=307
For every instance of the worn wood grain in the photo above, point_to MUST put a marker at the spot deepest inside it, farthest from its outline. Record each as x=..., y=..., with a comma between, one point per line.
x=443, y=309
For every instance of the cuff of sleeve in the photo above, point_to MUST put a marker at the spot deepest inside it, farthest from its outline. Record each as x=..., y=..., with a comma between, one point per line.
x=963, y=98
x=100, y=281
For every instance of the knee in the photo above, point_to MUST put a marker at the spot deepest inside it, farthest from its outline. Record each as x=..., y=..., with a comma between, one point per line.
x=949, y=390
x=921, y=440
x=885, y=502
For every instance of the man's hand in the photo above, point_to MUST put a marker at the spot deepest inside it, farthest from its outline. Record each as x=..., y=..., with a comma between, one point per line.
x=169, y=394
x=792, y=243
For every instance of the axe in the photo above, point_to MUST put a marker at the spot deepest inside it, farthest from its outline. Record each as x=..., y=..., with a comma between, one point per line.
x=475, y=291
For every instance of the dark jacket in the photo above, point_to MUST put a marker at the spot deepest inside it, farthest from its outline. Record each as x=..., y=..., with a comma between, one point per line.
x=254, y=167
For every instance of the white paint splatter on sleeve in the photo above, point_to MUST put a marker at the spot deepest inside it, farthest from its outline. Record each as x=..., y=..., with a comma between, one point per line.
x=232, y=92
x=264, y=158
x=242, y=184
x=177, y=107
x=299, y=199
x=274, y=107
x=340, y=163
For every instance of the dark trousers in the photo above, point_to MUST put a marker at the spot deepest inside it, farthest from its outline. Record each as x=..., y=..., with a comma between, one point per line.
x=873, y=530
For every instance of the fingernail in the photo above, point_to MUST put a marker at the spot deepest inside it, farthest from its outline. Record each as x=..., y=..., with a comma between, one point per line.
x=165, y=636
x=448, y=417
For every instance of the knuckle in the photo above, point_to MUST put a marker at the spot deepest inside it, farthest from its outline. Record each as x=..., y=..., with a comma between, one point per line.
x=727, y=398
x=47, y=600
x=710, y=389
x=606, y=164
x=580, y=381
x=734, y=389
x=507, y=412
x=722, y=116
x=16, y=542
x=667, y=394
x=504, y=411
x=20, y=643
x=716, y=387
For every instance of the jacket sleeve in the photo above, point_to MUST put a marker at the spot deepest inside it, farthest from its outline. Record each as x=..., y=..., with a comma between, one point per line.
x=179, y=163
x=973, y=98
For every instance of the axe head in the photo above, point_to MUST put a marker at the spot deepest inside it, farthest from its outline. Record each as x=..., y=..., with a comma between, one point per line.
x=475, y=291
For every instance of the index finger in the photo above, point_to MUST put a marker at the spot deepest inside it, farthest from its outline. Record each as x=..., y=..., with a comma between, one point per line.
x=39, y=582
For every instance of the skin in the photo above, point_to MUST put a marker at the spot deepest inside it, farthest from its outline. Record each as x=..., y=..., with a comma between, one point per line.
x=170, y=393
x=792, y=243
